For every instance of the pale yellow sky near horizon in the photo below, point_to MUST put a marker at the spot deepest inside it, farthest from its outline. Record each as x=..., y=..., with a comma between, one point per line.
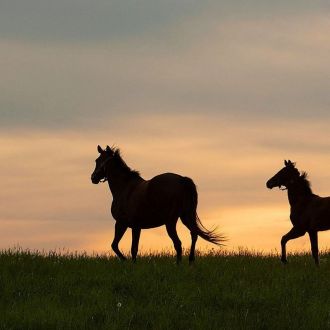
x=219, y=91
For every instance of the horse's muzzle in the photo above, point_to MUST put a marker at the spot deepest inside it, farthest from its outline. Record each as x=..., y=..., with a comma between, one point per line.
x=94, y=179
x=270, y=185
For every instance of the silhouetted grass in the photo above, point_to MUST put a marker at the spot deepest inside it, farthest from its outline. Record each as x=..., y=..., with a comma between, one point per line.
x=220, y=291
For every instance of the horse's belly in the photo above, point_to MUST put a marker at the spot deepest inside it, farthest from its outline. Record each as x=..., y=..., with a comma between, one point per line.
x=150, y=219
x=150, y=225
x=320, y=223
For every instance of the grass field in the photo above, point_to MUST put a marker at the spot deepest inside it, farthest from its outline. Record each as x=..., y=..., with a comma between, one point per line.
x=220, y=291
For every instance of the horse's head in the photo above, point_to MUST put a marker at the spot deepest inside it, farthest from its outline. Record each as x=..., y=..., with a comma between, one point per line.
x=284, y=177
x=101, y=162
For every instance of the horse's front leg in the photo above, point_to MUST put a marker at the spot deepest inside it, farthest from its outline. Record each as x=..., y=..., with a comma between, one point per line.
x=135, y=242
x=293, y=233
x=120, y=230
x=314, y=246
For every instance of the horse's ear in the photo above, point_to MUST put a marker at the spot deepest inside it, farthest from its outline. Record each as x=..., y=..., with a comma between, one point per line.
x=99, y=149
x=286, y=163
x=108, y=149
x=291, y=163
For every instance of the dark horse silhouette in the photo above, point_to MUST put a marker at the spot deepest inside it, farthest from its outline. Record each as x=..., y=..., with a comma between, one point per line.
x=309, y=212
x=141, y=204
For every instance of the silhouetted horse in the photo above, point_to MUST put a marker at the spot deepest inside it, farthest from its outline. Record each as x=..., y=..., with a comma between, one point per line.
x=309, y=212
x=141, y=204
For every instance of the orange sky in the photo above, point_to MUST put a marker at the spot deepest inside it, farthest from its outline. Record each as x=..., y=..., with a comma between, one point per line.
x=221, y=92
x=49, y=202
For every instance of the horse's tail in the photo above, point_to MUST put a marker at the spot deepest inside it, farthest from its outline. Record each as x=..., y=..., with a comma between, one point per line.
x=190, y=217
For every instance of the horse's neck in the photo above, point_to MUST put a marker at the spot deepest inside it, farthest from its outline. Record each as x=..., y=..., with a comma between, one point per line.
x=292, y=197
x=296, y=195
x=119, y=183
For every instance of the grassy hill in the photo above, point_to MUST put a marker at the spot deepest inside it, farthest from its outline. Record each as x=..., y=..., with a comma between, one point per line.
x=220, y=291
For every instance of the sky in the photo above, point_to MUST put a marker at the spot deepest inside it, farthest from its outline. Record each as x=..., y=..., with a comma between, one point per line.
x=220, y=91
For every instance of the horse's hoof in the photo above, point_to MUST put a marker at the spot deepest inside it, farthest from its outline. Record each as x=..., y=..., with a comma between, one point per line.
x=284, y=261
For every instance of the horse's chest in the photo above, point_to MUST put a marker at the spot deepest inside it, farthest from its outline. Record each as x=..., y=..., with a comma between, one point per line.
x=294, y=217
x=120, y=210
x=300, y=216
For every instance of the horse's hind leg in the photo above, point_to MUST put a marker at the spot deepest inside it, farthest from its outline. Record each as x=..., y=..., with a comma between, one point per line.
x=194, y=237
x=171, y=230
x=120, y=230
x=293, y=233
x=314, y=246
x=135, y=242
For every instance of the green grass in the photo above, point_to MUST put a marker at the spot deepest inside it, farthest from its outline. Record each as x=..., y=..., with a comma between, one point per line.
x=220, y=291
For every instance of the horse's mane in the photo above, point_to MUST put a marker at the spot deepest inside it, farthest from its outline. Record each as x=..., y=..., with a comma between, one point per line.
x=305, y=183
x=122, y=164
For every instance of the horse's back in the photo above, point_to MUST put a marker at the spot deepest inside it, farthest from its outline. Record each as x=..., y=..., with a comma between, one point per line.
x=166, y=187
x=166, y=179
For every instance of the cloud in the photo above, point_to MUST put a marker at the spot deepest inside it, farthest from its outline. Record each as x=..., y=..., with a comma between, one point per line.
x=250, y=64
x=83, y=21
